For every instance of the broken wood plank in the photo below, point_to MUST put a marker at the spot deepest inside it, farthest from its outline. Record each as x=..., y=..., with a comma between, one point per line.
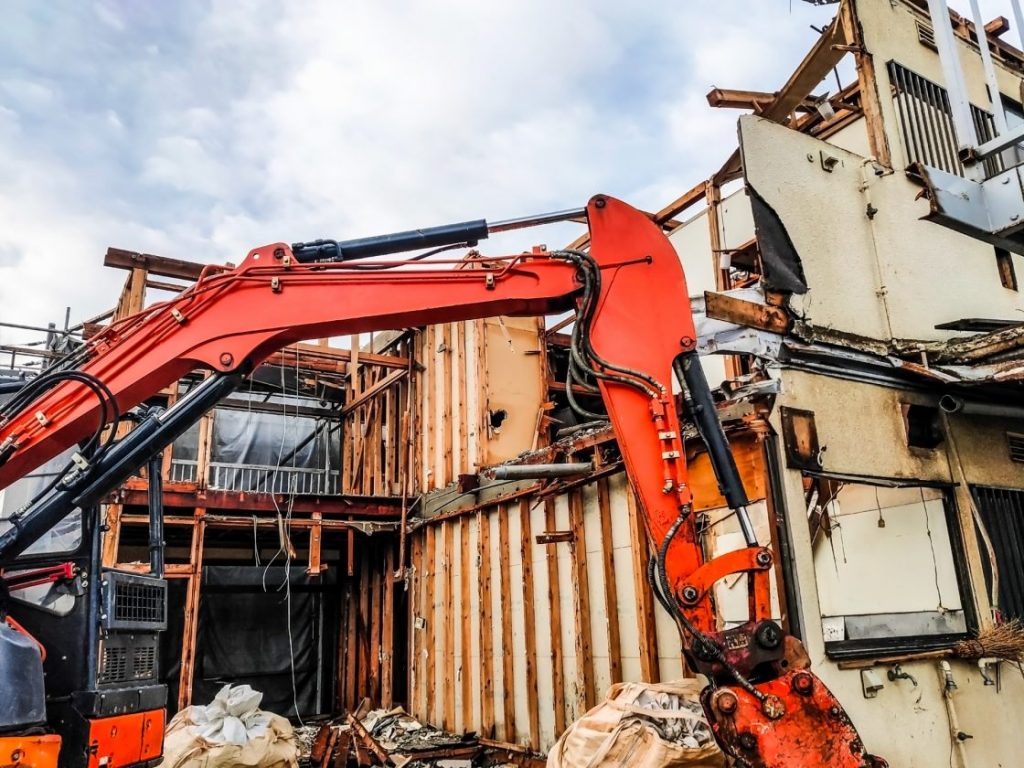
x=730, y=309
x=816, y=65
x=367, y=740
x=554, y=537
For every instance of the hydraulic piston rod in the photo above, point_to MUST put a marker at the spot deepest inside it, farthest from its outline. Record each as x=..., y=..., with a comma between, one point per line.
x=464, y=233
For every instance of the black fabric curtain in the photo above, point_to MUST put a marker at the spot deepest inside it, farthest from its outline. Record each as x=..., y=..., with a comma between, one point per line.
x=243, y=638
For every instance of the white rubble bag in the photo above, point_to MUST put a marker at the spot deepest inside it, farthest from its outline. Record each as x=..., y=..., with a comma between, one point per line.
x=230, y=731
x=641, y=725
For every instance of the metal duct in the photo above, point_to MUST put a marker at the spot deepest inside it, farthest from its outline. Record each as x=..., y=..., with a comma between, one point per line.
x=538, y=471
x=953, y=404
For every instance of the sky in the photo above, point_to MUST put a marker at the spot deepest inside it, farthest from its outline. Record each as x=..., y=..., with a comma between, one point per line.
x=200, y=129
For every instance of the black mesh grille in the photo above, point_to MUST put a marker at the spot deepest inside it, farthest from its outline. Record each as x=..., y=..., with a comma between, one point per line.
x=1016, y=445
x=134, y=602
x=114, y=667
x=144, y=663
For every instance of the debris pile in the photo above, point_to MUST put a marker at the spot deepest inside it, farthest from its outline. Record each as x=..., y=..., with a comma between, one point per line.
x=391, y=738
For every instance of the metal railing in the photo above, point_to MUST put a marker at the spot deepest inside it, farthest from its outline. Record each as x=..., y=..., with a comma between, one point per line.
x=255, y=478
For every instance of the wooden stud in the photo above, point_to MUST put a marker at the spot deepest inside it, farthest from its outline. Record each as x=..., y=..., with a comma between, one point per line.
x=377, y=611
x=448, y=682
x=416, y=620
x=388, y=631
x=507, y=668
x=464, y=464
x=351, y=642
x=190, y=627
x=555, y=609
x=529, y=622
x=466, y=659
x=581, y=585
x=430, y=657
x=112, y=536
x=364, y=631
x=867, y=79
x=315, y=567
x=611, y=600
x=483, y=522
x=445, y=476
x=649, y=665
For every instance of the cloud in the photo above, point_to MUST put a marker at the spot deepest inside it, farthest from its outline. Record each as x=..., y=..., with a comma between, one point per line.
x=201, y=129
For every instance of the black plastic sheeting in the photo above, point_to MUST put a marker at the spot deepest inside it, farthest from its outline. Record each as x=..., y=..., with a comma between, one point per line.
x=783, y=270
x=243, y=637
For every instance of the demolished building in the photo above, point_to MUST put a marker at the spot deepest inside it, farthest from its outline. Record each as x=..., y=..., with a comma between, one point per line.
x=353, y=526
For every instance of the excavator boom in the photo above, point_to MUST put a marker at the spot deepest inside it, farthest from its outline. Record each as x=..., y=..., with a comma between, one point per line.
x=633, y=328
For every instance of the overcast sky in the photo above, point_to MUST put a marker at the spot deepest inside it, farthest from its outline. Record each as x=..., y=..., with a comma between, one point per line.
x=200, y=129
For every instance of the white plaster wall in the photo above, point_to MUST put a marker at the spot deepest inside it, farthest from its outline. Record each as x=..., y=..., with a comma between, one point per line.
x=893, y=276
x=905, y=724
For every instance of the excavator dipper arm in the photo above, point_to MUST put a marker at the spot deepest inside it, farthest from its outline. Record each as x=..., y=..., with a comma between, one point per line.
x=633, y=325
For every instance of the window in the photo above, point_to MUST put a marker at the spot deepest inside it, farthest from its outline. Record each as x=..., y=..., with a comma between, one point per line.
x=64, y=537
x=1002, y=511
x=888, y=566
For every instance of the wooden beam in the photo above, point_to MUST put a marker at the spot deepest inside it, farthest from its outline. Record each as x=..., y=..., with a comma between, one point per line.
x=816, y=65
x=870, y=100
x=1000, y=25
x=188, y=495
x=163, y=266
x=720, y=306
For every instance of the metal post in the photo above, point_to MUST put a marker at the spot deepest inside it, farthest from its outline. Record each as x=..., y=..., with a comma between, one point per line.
x=156, y=515
x=1018, y=19
x=990, y=70
x=960, y=107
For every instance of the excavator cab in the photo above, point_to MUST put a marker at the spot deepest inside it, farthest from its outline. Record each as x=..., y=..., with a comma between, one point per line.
x=79, y=653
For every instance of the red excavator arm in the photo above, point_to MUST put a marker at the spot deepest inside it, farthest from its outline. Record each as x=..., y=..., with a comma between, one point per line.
x=634, y=324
